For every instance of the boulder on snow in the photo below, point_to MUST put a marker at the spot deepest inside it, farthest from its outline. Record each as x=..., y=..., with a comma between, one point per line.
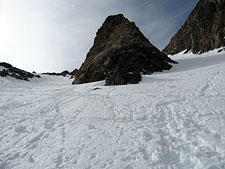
x=120, y=54
x=9, y=70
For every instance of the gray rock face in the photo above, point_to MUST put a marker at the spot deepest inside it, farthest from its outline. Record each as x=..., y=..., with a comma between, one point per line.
x=9, y=70
x=120, y=54
x=203, y=31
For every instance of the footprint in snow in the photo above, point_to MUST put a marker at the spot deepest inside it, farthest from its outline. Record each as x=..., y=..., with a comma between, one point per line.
x=129, y=167
x=21, y=129
x=93, y=156
x=91, y=127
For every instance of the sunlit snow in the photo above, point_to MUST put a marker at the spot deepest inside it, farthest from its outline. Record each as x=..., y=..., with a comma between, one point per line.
x=171, y=120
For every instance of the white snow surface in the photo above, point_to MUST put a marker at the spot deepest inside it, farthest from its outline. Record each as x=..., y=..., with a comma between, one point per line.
x=171, y=120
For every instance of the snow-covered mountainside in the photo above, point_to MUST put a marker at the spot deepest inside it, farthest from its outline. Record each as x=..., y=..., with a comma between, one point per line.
x=171, y=120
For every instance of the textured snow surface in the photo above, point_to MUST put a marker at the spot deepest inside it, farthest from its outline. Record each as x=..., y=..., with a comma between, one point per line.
x=171, y=120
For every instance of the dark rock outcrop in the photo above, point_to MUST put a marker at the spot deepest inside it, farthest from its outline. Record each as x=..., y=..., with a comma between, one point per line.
x=74, y=72
x=203, y=31
x=63, y=73
x=9, y=70
x=120, y=54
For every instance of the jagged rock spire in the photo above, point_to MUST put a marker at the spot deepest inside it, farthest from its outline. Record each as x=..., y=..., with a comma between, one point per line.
x=120, y=54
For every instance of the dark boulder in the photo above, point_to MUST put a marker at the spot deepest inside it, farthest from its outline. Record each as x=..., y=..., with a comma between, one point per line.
x=65, y=72
x=120, y=54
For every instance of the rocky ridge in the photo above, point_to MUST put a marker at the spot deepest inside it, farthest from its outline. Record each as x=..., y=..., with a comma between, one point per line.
x=204, y=30
x=63, y=73
x=8, y=70
x=120, y=54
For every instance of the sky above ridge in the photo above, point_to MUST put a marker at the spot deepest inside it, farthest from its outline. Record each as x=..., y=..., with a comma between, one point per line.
x=55, y=35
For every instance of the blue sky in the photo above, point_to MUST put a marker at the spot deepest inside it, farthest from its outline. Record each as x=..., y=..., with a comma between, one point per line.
x=54, y=35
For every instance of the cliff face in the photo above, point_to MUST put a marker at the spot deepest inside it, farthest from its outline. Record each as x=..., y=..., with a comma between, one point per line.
x=120, y=54
x=203, y=31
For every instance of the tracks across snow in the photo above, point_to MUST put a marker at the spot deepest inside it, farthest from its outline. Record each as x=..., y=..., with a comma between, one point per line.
x=170, y=120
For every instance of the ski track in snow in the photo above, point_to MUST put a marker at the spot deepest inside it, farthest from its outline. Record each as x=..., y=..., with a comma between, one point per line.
x=171, y=120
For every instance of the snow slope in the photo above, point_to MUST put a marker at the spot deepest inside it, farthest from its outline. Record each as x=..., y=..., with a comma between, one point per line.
x=171, y=120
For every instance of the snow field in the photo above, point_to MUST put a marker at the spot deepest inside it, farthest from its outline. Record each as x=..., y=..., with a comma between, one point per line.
x=171, y=120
